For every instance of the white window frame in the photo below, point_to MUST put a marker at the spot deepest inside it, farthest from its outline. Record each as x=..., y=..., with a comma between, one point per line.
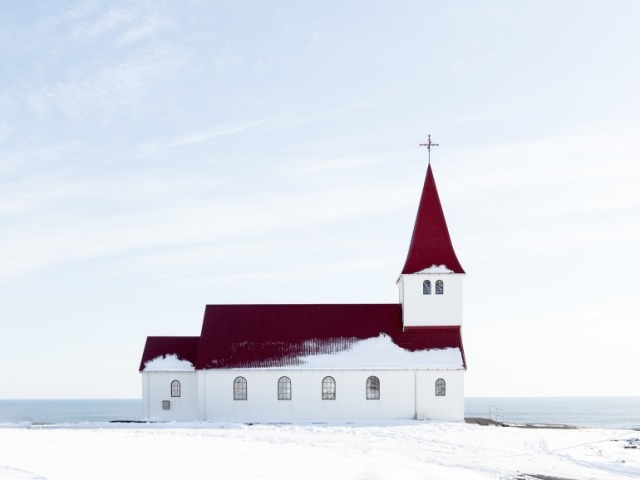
x=176, y=388
x=284, y=388
x=328, y=388
x=240, y=388
x=373, y=388
x=441, y=387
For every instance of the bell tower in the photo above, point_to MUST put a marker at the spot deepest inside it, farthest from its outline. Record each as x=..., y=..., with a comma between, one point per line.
x=431, y=281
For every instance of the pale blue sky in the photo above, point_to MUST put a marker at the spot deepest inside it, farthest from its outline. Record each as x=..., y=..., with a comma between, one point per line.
x=158, y=156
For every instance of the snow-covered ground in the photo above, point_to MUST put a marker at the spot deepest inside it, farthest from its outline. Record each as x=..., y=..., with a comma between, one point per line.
x=410, y=450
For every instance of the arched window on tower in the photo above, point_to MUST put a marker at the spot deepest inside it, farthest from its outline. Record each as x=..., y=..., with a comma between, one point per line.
x=240, y=388
x=328, y=388
x=373, y=388
x=284, y=388
x=441, y=387
x=426, y=287
x=175, y=388
x=439, y=287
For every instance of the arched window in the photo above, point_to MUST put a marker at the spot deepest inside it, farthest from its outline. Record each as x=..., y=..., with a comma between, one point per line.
x=328, y=388
x=284, y=388
x=373, y=388
x=240, y=388
x=426, y=287
x=175, y=388
x=439, y=287
x=441, y=387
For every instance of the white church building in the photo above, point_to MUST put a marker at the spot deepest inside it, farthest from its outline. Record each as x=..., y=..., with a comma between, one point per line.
x=325, y=362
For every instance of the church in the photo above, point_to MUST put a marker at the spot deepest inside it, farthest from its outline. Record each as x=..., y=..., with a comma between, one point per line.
x=325, y=362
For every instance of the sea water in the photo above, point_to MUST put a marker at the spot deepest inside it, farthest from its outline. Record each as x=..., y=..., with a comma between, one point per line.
x=69, y=411
x=600, y=412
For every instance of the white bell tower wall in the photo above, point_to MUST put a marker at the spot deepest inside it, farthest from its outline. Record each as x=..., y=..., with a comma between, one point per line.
x=420, y=309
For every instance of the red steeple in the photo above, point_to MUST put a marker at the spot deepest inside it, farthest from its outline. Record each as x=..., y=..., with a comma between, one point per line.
x=430, y=242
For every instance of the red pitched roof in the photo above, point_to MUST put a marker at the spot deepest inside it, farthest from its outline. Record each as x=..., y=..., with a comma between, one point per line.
x=185, y=348
x=253, y=336
x=430, y=242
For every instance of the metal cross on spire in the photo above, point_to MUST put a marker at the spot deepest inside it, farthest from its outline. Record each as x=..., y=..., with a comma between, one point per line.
x=429, y=144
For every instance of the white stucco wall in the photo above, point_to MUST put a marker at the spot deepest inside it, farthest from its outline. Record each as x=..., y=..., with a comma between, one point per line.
x=399, y=398
x=447, y=407
x=156, y=387
x=208, y=396
x=431, y=310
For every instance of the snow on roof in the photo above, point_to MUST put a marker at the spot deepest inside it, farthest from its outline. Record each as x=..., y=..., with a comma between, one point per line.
x=183, y=348
x=382, y=353
x=430, y=241
x=274, y=336
x=436, y=269
x=168, y=363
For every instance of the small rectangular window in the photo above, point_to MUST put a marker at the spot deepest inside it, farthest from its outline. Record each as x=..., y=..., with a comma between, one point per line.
x=166, y=405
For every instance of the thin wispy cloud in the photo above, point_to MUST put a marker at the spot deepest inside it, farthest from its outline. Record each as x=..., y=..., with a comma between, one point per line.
x=594, y=154
x=217, y=131
x=101, y=93
x=331, y=164
x=71, y=12
x=124, y=25
x=57, y=214
x=310, y=270
x=24, y=163
x=114, y=18
x=145, y=29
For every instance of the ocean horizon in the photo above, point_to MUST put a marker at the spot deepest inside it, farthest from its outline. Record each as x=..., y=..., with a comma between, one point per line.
x=597, y=412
